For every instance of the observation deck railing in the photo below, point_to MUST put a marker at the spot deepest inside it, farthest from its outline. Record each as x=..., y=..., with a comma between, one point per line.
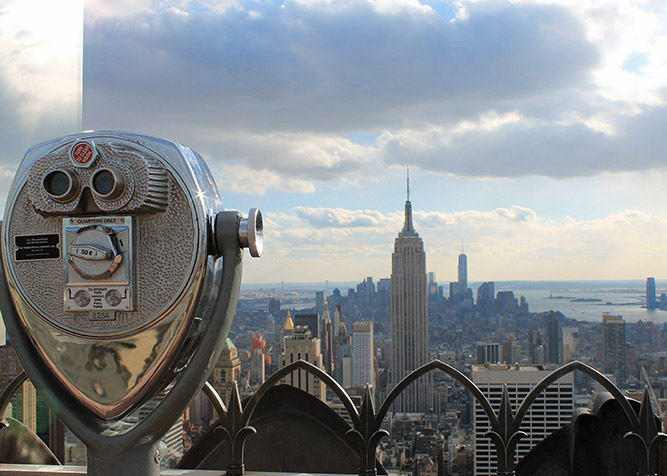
x=365, y=432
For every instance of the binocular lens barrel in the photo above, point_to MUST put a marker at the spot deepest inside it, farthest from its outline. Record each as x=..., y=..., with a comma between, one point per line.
x=108, y=183
x=62, y=185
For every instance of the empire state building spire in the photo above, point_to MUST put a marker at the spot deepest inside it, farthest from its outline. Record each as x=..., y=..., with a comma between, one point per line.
x=408, y=227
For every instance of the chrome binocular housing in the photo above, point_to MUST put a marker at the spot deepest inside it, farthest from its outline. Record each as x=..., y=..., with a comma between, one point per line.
x=112, y=250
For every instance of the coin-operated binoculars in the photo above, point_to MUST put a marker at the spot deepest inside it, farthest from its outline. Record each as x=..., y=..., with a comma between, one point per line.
x=120, y=276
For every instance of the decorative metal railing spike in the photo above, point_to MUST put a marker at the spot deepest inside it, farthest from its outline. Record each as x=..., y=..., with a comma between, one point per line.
x=504, y=437
x=366, y=431
x=234, y=421
x=367, y=434
x=505, y=433
x=649, y=437
x=235, y=431
x=214, y=398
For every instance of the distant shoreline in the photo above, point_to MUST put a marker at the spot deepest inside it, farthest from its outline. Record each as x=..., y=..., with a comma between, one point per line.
x=616, y=284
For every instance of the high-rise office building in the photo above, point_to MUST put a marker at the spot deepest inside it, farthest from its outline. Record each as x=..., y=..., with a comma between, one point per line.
x=651, y=301
x=320, y=301
x=300, y=345
x=310, y=320
x=570, y=343
x=327, y=340
x=343, y=356
x=257, y=367
x=506, y=302
x=365, y=296
x=552, y=410
x=363, y=355
x=463, y=271
x=29, y=405
x=337, y=319
x=257, y=360
x=613, y=333
x=10, y=366
x=227, y=370
x=534, y=342
x=383, y=297
x=553, y=339
x=285, y=331
x=409, y=316
x=511, y=350
x=274, y=306
x=488, y=353
x=486, y=296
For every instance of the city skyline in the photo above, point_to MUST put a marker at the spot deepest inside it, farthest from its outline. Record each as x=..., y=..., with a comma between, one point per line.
x=543, y=152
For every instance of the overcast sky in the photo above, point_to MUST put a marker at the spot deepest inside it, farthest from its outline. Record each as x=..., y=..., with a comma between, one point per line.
x=535, y=131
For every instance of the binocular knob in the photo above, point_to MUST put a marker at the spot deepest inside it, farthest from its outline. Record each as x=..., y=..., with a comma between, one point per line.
x=251, y=233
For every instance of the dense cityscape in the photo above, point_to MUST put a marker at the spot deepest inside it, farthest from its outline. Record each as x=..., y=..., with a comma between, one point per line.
x=374, y=334
x=534, y=129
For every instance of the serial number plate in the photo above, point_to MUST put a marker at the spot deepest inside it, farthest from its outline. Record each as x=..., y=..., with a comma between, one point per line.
x=102, y=315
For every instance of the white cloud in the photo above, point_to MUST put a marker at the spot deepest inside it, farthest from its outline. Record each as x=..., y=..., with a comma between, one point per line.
x=622, y=28
x=283, y=161
x=303, y=76
x=507, y=89
x=101, y=9
x=340, y=218
x=40, y=84
x=573, y=146
x=501, y=244
x=242, y=179
x=390, y=7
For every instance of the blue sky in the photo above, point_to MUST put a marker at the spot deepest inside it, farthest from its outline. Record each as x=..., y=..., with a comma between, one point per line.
x=534, y=130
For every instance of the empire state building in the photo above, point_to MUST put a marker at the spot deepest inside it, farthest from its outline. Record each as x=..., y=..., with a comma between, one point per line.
x=409, y=315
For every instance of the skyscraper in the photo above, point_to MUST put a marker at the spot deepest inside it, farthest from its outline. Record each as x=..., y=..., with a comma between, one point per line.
x=327, y=338
x=569, y=343
x=486, y=296
x=463, y=272
x=311, y=321
x=488, y=353
x=257, y=360
x=613, y=332
x=363, y=355
x=552, y=409
x=300, y=345
x=227, y=370
x=409, y=315
x=343, y=356
x=651, y=302
x=534, y=342
x=320, y=301
x=511, y=350
x=553, y=339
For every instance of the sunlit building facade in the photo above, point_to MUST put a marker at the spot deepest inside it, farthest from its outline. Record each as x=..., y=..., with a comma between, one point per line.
x=409, y=316
x=552, y=410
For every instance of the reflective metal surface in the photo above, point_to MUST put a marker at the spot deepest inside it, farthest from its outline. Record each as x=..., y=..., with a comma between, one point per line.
x=251, y=232
x=107, y=277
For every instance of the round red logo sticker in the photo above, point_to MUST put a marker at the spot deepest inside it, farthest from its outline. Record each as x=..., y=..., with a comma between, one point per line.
x=82, y=154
